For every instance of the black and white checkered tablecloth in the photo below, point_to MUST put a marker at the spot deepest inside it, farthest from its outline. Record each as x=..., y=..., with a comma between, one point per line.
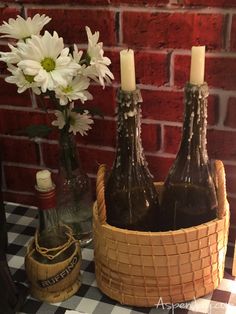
x=22, y=222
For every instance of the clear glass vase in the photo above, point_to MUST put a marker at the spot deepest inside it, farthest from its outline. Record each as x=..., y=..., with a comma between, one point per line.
x=74, y=195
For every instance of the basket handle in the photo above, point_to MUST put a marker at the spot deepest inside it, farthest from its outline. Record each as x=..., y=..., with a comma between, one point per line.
x=223, y=204
x=100, y=191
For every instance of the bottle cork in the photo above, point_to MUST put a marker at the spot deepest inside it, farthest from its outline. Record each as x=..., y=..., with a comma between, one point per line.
x=44, y=180
x=45, y=190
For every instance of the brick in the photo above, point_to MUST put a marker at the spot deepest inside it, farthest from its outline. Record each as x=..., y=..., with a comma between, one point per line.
x=145, y=3
x=10, y=97
x=69, y=2
x=19, y=198
x=211, y=3
x=162, y=105
x=151, y=68
x=13, y=121
x=231, y=113
x=233, y=31
x=230, y=251
x=220, y=72
x=115, y=64
x=91, y=158
x=181, y=70
x=230, y=172
x=151, y=136
x=172, y=30
x=63, y=21
x=104, y=99
x=221, y=144
x=213, y=110
x=232, y=234
x=97, y=2
x=20, y=178
x=172, y=139
x=103, y=132
x=232, y=206
x=50, y=154
x=159, y=166
x=20, y=150
x=8, y=12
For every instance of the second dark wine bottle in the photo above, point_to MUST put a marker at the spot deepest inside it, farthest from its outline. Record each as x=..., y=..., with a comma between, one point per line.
x=189, y=196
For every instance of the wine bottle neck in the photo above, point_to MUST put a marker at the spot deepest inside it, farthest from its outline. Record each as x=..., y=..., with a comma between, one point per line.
x=193, y=143
x=129, y=145
x=47, y=209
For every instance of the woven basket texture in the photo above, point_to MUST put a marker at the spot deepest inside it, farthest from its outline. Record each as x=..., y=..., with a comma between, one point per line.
x=64, y=276
x=138, y=268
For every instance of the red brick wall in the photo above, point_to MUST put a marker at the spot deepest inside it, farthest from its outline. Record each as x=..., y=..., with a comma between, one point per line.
x=161, y=32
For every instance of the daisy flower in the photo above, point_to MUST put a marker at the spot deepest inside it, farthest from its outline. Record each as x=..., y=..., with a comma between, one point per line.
x=21, y=80
x=80, y=122
x=12, y=56
x=20, y=28
x=77, y=122
x=98, y=69
x=77, y=54
x=60, y=119
x=75, y=89
x=48, y=61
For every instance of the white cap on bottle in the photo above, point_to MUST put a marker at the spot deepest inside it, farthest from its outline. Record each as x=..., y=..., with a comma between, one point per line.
x=44, y=180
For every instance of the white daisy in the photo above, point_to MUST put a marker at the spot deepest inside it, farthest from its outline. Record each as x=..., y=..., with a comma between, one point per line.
x=98, y=69
x=77, y=54
x=48, y=61
x=20, y=28
x=21, y=80
x=12, y=56
x=60, y=119
x=80, y=122
x=75, y=89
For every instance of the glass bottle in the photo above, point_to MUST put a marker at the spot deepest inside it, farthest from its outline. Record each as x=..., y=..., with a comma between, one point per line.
x=51, y=234
x=189, y=196
x=130, y=195
x=74, y=194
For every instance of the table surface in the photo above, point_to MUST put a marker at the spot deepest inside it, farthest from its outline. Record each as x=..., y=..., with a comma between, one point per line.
x=22, y=222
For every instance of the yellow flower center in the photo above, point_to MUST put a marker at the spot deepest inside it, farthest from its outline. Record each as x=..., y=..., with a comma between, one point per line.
x=29, y=78
x=48, y=64
x=67, y=89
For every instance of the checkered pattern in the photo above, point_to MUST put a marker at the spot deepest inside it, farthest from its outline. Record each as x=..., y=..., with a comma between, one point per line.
x=22, y=222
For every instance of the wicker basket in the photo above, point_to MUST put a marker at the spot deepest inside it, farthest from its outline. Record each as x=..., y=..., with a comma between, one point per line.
x=55, y=281
x=139, y=268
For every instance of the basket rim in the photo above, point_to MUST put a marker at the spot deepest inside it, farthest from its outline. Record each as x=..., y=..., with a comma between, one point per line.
x=181, y=231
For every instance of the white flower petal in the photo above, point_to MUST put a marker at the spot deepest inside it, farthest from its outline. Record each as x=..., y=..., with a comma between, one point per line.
x=20, y=28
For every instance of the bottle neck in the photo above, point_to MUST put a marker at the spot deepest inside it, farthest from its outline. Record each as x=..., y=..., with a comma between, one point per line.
x=69, y=160
x=48, y=218
x=129, y=146
x=193, y=143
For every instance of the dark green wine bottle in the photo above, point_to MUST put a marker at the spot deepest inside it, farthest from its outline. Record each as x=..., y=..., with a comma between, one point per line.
x=189, y=196
x=130, y=194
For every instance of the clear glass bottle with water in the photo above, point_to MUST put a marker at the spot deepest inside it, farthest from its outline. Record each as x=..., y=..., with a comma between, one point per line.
x=74, y=194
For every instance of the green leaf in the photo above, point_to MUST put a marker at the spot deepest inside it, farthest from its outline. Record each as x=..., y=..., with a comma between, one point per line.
x=40, y=130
